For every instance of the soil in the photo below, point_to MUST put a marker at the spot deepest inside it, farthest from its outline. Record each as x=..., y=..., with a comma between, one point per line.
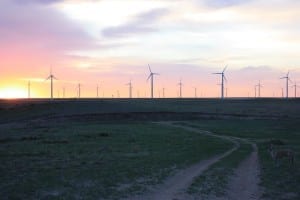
x=244, y=185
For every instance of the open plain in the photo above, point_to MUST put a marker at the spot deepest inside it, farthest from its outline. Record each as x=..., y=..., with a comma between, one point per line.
x=148, y=149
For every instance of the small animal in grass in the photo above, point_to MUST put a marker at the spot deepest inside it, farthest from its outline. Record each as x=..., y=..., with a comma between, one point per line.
x=281, y=154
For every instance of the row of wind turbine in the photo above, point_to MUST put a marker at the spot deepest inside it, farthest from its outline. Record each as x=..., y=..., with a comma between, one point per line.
x=51, y=77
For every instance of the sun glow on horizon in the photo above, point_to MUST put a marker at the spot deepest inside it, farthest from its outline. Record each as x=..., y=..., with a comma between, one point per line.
x=13, y=93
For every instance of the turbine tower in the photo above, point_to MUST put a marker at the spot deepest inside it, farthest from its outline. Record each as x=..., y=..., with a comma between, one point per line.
x=51, y=77
x=97, y=91
x=163, y=92
x=222, y=83
x=28, y=89
x=295, y=86
x=64, y=92
x=151, y=75
x=287, y=83
x=79, y=87
x=130, y=89
x=180, y=88
x=259, y=86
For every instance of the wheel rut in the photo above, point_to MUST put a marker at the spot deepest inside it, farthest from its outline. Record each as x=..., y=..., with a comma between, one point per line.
x=244, y=185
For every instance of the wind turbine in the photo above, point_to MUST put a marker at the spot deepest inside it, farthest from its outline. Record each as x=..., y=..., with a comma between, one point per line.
x=287, y=83
x=295, y=86
x=259, y=86
x=97, y=91
x=51, y=77
x=130, y=89
x=151, y=75
x=28, y=89
x=180, y=88
x=79, y=87
x=195, y=92
x=64, y=92
x=222, y=83
x=255, y=91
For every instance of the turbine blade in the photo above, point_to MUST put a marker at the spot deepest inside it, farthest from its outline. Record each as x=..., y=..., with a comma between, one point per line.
x=225, y=78
x=149, y=76
x=149, y=68
x=224, y=68
x=216, y=73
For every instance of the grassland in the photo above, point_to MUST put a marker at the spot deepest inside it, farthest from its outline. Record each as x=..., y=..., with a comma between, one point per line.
x=279, y=182
x=214, y=181
x=91, y=160
x=108, y=149
x=148, y=109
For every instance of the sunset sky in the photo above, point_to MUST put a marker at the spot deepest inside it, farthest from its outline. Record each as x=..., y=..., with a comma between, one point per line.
x=110, y=42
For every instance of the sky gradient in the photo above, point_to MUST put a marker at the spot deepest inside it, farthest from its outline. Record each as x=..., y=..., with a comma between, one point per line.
x=110, y=42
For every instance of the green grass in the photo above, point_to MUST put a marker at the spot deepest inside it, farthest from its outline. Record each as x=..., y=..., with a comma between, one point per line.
x=16, y=110
x=59, y=148
x=280, y=182
x=92, y=160
x=213, y=182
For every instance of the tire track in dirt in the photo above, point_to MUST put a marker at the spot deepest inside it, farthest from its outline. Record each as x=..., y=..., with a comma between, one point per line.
x=174, y=187
x=245, y=183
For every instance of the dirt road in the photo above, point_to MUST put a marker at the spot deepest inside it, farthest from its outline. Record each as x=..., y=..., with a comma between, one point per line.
x=244, y=185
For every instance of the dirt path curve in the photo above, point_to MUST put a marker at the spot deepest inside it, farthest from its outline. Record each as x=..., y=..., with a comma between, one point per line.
x=173, y=188
x=245, y=183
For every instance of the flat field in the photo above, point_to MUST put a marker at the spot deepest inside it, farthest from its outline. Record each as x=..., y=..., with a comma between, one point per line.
x=113, y=148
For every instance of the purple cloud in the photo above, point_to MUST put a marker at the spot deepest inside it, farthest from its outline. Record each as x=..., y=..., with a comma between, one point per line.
x=41, y=28
x=36, y=1
x=143, y=23
x=224, y=3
